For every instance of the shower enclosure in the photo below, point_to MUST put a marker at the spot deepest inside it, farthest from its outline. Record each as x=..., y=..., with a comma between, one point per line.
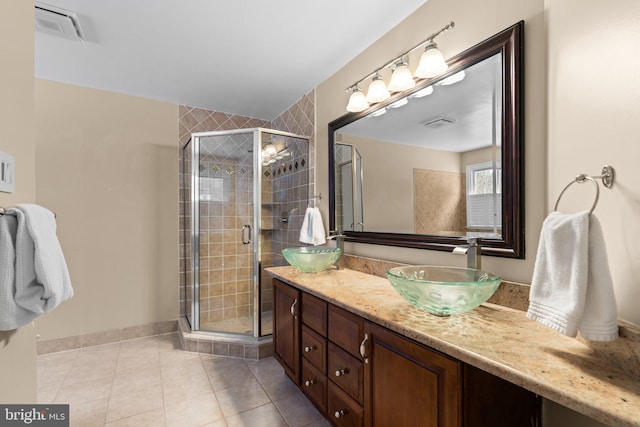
x=245, y=192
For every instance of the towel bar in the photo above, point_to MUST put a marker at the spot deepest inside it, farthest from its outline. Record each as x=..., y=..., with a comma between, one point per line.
x=2, y=212
x=607, y=176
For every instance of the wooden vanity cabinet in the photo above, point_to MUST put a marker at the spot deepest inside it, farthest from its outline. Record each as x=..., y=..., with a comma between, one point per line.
x=361, y=374
x=408, y=384
x=286, y=328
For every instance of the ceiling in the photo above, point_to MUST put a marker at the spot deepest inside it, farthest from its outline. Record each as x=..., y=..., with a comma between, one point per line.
x=250, y=57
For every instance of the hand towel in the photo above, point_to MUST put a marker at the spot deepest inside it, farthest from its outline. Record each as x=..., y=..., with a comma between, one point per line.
x=566, y=276
x=306, y=232
x=600, y=318
x=34, y=278
x=312, y=231
x=317, y=227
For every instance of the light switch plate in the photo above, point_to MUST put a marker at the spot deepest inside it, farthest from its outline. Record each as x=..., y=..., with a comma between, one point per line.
x=7, y=172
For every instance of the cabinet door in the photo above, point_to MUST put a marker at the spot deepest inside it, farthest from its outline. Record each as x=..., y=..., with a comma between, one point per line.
x=286, y=328
x=407, y=384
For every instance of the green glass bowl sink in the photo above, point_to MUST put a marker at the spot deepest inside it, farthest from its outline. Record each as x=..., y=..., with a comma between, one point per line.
x=310, y=259
x=443, y=291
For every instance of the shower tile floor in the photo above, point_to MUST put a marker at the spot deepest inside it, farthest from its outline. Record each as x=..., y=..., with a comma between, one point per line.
x=152, y=382
x=241, y=325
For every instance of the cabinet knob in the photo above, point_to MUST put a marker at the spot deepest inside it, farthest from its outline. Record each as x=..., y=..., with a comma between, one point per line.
x=341, y=372
x=309, y=383
x=309, y=348
x=339, y=414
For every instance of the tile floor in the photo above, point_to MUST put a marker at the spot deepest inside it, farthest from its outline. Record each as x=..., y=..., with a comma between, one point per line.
x=152, y=382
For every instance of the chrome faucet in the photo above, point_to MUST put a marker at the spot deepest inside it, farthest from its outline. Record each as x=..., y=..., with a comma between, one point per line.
x=473, y=251
x=339, y=238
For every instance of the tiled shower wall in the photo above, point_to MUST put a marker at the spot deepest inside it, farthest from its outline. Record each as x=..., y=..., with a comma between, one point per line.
x=280, y=185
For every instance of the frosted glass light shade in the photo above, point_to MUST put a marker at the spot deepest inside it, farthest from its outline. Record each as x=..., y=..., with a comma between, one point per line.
x=378, y=91
x=432, y=62
x=455, y=78
x=401, y=78
x=357, y=102
x=422, y=92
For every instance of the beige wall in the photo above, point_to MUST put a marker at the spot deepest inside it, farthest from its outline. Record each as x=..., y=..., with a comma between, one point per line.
x=18, y=348
x=469, y=30
x=107, y=166
x=593, y=109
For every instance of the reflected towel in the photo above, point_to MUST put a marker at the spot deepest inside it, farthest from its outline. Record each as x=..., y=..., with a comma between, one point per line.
x=34, y=278
x=571, y=289
x=312, y=231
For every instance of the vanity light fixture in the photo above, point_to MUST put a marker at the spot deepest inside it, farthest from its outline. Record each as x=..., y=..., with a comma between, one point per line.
x=401, y=78
x=431, y=64
x=378, y=91
x=422, y=92
x=357, y=101
x=399, y=103
x=271, y=153
x=454, y=78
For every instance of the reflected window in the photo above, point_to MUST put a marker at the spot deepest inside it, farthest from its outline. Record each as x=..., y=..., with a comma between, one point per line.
x=484, y=198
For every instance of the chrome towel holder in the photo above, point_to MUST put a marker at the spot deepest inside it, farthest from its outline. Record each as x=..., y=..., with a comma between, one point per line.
x=607, y=175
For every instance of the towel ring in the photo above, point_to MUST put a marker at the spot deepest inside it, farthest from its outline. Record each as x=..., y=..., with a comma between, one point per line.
x=581, y=179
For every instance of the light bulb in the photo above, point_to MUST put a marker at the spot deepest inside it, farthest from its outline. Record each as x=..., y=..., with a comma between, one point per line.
x=270, y=149
x=455, y=78
x=357, y=101
x=432, y=62
x=378, y=91
x=399, y=103
x=422, y=92
x=378, y=112
x=401, y=78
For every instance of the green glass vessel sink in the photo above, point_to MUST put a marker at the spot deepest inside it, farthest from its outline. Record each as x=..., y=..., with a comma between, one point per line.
x=443, y=291
x=311, y=259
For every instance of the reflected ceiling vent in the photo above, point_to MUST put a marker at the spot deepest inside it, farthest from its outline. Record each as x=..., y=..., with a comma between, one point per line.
x=439, y=122
x=57, y=22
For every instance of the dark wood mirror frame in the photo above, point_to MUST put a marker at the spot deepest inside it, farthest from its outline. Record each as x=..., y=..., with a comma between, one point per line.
x=510, y=43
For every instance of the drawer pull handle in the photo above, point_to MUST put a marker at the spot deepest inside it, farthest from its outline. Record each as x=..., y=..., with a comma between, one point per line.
x=309, y=383
x=341, y=372
x=309, y=348
x=363, y=348
x=341, y=413
x=293, y=307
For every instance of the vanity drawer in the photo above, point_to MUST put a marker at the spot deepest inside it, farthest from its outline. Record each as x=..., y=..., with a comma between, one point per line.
x=314, y=385
x=346, y=330
x=346, y=371
x=314, y=313
x=341, y=409
x=314, y=348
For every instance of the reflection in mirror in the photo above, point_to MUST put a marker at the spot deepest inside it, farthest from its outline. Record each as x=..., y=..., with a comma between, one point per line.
x=349, y=200
x=443, y=161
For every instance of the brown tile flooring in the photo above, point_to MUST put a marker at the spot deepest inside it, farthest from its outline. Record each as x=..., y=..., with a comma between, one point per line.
x=152, y=382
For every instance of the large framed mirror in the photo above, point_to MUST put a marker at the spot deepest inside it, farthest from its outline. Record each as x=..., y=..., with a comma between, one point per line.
x=442, y=162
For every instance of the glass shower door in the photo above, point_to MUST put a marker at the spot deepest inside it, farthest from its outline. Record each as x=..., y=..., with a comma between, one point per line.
x=226, y=232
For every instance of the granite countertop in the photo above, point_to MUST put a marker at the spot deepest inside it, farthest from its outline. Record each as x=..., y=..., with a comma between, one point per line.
x=497, y=339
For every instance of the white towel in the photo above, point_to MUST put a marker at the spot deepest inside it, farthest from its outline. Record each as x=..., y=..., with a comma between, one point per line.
x=571, y=289
x=312, y=231
x=34, y=278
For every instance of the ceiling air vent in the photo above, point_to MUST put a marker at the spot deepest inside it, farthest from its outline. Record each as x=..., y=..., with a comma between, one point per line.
x=58, y=22
x=438, y=122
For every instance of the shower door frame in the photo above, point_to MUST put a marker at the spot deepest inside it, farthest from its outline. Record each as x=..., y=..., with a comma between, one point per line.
x=256, y=232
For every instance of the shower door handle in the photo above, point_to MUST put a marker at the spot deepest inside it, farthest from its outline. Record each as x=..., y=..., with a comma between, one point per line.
x=246, y=227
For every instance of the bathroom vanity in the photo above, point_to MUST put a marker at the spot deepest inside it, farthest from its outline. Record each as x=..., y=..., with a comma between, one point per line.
x=360, y=373
x=365, y=357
